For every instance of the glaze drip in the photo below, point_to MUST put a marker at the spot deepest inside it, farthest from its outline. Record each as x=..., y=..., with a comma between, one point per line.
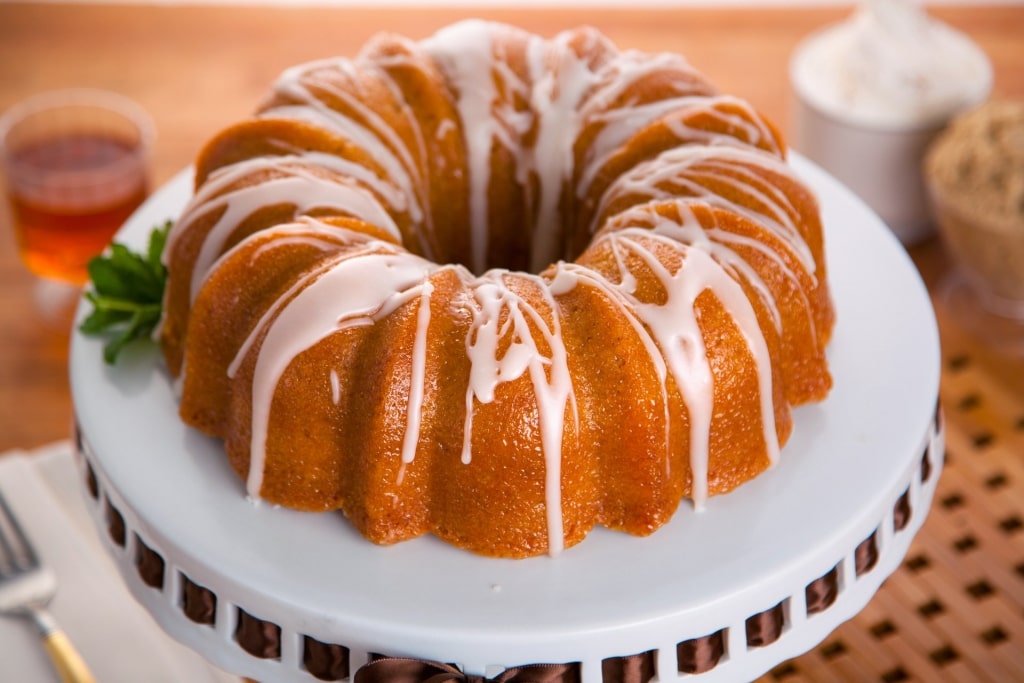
x=502, y=318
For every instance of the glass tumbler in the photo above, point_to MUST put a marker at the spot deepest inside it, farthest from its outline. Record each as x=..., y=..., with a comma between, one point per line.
x=76, y=167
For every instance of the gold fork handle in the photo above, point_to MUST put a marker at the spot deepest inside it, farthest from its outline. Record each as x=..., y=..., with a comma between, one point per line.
x=69, y=664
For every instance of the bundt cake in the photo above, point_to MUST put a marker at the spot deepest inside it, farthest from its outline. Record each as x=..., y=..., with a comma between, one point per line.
x=497, y=288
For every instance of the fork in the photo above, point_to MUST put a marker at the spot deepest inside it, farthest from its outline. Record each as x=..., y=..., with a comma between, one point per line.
x=26, y=588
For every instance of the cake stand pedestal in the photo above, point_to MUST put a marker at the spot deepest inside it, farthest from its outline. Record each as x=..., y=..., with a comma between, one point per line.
x=760, y=576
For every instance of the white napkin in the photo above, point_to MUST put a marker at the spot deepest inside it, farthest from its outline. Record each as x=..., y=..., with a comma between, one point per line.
x=113, y=633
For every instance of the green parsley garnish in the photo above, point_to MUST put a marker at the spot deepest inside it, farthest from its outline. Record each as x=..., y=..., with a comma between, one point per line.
x=127, y=293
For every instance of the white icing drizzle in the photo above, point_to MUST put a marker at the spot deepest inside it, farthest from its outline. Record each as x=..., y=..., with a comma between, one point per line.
x=376, y=137
x=558, y=90
x=365, y=289
x=559, y=93
x=369, y=284
x=675, y=326
x=681, y=170
x=684, y=167
x=471, y=56
x=621, y=124
x=302, y=188
x=566, y=276
x=502, y=315
x=671, y=330
x=464, y=56
x=335, y=387
x=304, y=232
x=446, y=128
x=414, y=412
x=317, y=114
x=381, y=65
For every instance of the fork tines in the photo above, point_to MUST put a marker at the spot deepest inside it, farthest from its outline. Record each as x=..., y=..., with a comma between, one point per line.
x=16, y=553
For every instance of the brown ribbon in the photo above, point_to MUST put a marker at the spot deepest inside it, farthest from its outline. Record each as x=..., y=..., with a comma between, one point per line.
x=901, y=512
x=764, y=628
x=698, y=655
x=404, y=670
x=866, y=555
x=822, y=592
x=639, y=668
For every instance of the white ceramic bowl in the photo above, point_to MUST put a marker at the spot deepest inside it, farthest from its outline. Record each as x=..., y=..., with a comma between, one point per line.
x=877, y=156
x=881, y=166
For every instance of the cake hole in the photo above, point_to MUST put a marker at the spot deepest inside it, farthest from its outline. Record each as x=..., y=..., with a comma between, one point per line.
x=149, y=564
x=115, y=525
x=901, y=512
x=638, y=668
x=324, y=661
x=258, y=637
x=822, y=592
x=764, y=628
x=698, y=655
x=198, y=603
x=865, y=557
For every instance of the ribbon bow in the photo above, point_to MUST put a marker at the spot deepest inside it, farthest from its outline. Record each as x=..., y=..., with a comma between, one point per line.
x=404, y=670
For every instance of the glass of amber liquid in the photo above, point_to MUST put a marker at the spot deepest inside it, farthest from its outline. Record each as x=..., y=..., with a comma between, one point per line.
x=76, y=164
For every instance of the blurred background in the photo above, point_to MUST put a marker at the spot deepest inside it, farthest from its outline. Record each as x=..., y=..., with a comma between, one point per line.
x=954, y=612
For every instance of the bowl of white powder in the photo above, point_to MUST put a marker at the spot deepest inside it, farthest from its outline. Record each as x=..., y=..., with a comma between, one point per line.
x=871, y=94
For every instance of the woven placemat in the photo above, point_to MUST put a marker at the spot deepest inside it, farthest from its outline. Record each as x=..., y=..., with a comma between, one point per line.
x=954, y=610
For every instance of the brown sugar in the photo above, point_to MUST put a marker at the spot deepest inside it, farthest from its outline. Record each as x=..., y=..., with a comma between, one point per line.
x=975, y=173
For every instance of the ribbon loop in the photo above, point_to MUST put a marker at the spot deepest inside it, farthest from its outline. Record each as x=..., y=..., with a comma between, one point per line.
x=407, y=670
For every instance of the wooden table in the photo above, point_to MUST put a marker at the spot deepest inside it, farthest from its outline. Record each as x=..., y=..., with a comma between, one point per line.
x=198, y=68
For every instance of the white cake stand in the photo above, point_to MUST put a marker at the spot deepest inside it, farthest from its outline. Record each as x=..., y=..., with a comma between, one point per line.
x=858, y=474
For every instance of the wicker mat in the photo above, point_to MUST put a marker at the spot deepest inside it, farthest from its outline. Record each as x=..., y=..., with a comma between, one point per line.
x=954, y=611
